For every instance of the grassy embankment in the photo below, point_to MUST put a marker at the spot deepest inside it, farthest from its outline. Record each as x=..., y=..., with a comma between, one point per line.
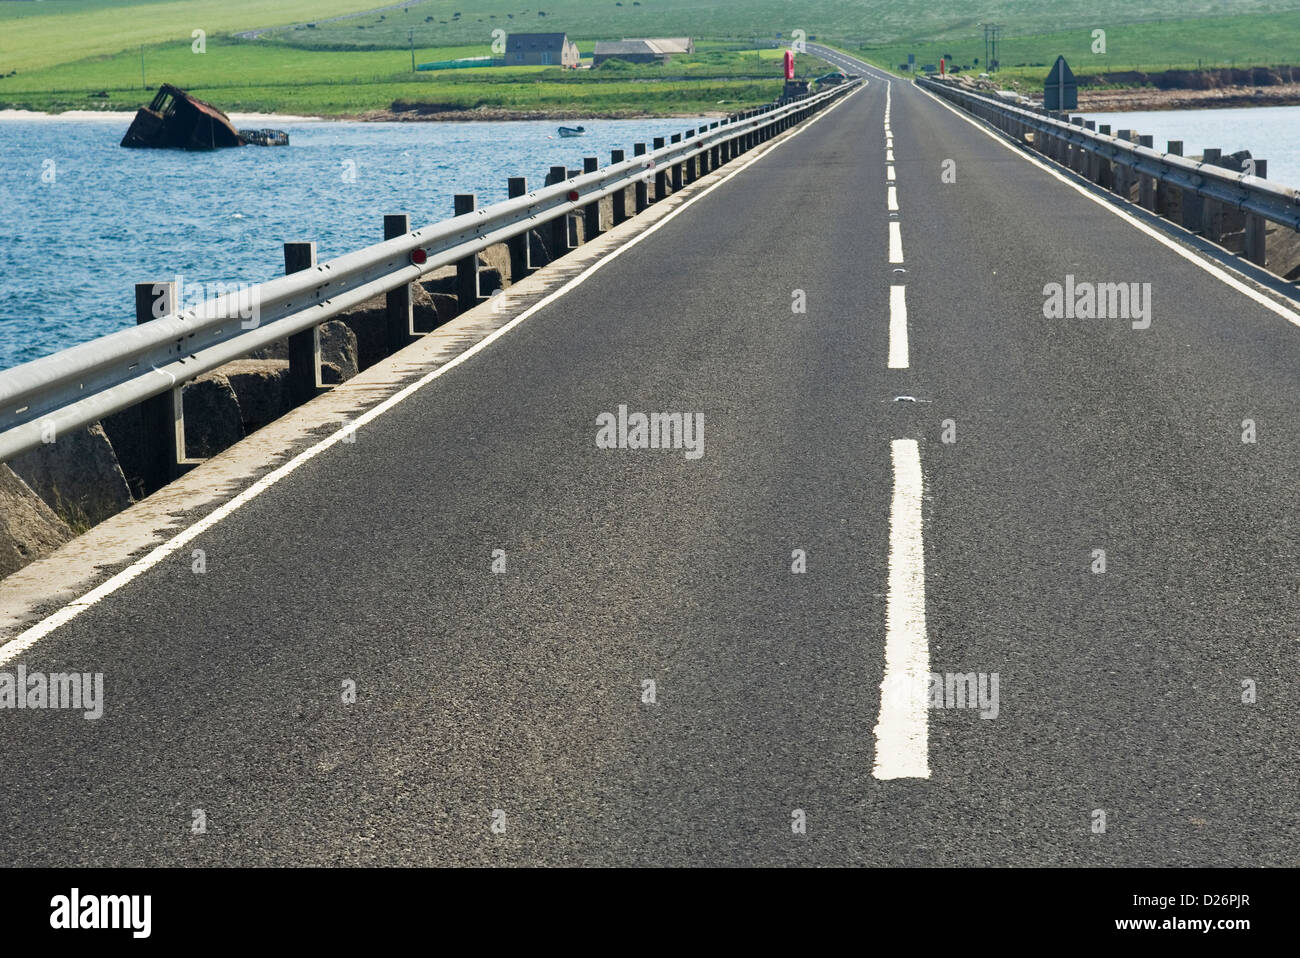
x=252, y=76
x=333, y=77
x=66, y=50
x=1245, y=40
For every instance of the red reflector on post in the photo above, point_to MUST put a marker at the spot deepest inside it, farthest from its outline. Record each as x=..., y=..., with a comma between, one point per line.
x=573, y=196
x=419, y=257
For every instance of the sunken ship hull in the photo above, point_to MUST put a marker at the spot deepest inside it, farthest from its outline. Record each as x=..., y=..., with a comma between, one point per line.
x=174, y=120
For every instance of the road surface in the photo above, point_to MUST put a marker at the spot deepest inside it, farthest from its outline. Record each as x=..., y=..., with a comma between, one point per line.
x=505, y=717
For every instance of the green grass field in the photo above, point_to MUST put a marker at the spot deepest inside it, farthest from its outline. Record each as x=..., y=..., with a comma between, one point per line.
x=254, y=77
x=1259, y=39
x=875, y=21
x=34, y=35
x=64, y=50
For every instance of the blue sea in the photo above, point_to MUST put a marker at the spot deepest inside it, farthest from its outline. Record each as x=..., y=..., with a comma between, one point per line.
x=1270, y=133
x=82, y=219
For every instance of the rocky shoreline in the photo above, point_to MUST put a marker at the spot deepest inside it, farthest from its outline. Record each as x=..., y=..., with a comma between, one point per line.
x=399, y=112
x=402, y=112
x=1135, y=90
x=1123, y=99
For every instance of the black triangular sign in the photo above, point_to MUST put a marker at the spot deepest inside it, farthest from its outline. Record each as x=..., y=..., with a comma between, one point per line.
x=1057, y=68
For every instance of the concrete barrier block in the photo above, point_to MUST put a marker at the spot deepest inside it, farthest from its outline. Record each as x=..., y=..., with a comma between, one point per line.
x=495, y=259
x=262, y=388
x=29, y=529
x=338, y=345
x=213, y=421
x=538, y=254
x=78, y=476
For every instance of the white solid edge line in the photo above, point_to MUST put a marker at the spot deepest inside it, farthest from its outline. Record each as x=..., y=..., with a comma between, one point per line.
x=1240, y=285
x=893, y=199
x=30, y=636
x=902, y=731
x=898, y=327
x=895, y=242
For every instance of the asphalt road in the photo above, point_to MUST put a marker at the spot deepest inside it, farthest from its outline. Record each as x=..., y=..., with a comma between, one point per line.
x=516, y=699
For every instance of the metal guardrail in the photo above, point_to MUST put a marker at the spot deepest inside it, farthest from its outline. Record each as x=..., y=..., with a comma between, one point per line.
x=1236, y=190
x=82, y=384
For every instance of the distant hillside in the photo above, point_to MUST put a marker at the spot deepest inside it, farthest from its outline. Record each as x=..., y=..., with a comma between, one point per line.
x=458, y=22
x=34, y=35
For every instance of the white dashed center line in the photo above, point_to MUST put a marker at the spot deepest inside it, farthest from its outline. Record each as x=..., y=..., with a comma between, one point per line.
x=895, y=242
x=903, y=732
x=898, y=327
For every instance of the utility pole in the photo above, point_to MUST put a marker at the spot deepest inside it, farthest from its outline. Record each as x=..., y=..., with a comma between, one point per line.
x=144, y=84
x=410, y=37
x=992, y=32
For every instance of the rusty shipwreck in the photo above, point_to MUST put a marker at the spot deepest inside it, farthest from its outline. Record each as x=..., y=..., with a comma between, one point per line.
x=175, y=120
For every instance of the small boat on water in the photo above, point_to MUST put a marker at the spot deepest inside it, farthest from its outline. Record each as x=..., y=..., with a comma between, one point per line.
x=573, y=131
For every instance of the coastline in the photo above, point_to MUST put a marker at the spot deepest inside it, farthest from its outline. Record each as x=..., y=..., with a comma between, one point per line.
x=1134, y=99
x=417, y=113
x=239, y=119
x=432, y=113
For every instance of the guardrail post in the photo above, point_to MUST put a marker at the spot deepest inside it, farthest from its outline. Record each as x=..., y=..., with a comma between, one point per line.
x=304, y=347
x=1089, y=157
x=1211, y=226
x=1134, y=181
x=642, y=187
x=1168, y=196
x=1078, y=155
x=1120, y=173
x=661, y=175
x=591, y=213
x=520, y=259
x=704, y=157
x=572, y=220
x=618, y=197
x=1192, y=214
x=397, y=302
x=559, y=231
x=1256, y=239
x=466, y=268
x=679, y=169
x=1146, y=183
x=162, y=418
